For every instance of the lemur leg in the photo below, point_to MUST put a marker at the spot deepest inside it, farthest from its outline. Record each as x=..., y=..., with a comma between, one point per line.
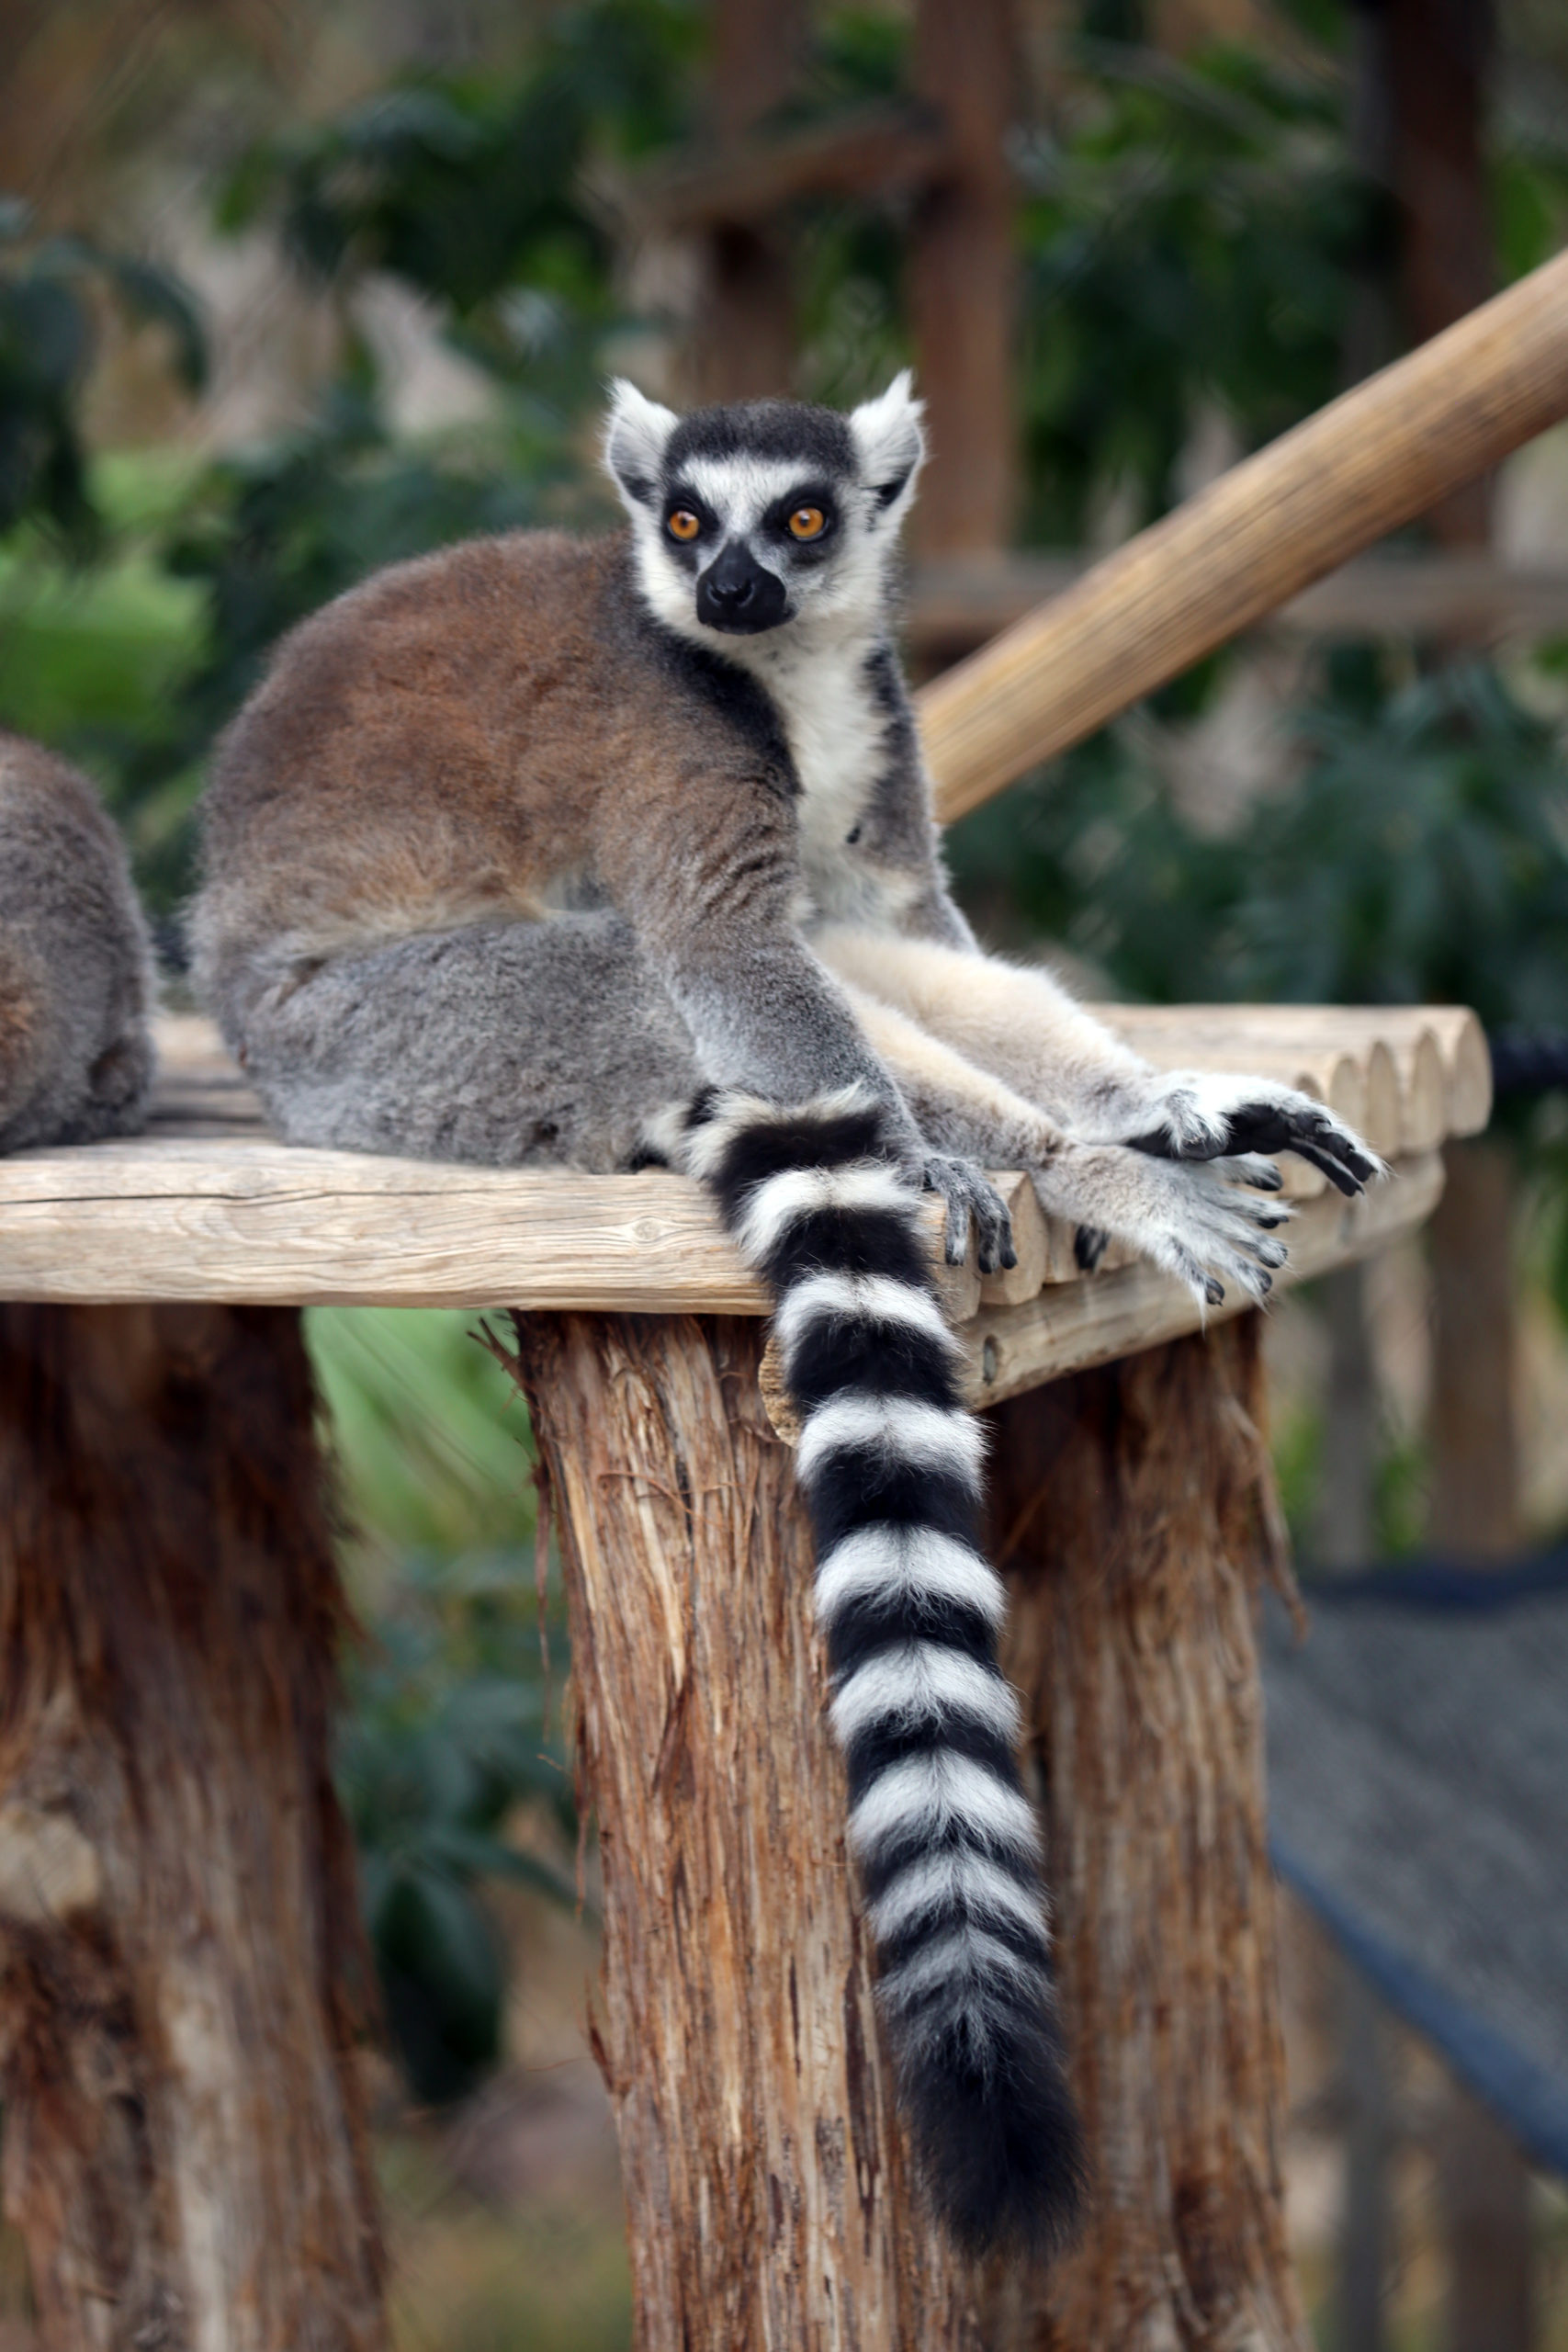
x=1193, y=1217
x=547, y=1044
x=1022, y=1024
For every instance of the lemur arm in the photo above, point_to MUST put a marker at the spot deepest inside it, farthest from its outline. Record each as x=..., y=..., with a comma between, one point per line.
x=1022, y=1024
x=709, y=902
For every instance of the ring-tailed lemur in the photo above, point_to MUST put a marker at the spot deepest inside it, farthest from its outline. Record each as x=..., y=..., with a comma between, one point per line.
x=76, y=961
x=519, y=845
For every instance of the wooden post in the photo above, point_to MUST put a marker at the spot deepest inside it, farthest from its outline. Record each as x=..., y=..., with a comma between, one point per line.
x=1135, y=1519
x=745, y=343
x=766, y=2196
x=185, y=2150
x=961, y=273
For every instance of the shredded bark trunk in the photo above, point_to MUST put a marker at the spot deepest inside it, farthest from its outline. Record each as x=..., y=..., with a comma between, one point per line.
x=1134, y=1519
x=181, y=1964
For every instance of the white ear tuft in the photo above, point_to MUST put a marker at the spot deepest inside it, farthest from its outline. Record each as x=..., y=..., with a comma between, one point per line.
x=891, y=444
x=635, y=433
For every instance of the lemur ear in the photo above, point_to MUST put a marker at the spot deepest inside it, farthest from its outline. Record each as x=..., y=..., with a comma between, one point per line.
x=891, y=444
x=635, y=433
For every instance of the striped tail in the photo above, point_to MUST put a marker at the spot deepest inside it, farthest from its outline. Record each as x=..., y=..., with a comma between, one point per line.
x=890, y=1466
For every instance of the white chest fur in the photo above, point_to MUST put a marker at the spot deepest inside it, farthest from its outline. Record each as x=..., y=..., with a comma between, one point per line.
x=837, y=731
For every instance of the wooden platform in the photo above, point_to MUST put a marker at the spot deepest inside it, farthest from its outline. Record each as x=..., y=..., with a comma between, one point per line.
x=209, y=1205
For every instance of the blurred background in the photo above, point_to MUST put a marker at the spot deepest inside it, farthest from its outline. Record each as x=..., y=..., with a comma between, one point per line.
x=287, y=292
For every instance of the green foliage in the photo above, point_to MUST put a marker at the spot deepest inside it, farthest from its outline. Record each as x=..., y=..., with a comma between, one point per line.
x=1420, y=856
x=444, y=1734
x=1192, y=237
x=444, y=1738
x=478, y=193
x=47, y=341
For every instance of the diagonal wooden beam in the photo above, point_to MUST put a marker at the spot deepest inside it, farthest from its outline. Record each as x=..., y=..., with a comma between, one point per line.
x=1369, y=463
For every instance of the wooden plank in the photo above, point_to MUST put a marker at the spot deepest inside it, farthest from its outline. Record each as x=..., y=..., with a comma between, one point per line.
x=1374, y=459
x=1078, y=1324
x=207, y=1206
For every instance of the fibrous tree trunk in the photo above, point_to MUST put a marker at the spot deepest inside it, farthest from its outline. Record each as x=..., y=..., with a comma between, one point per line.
x=180, y=1958
x=745, y=341
x=767, y=2199
x=962, y=273
x=1135, y=1519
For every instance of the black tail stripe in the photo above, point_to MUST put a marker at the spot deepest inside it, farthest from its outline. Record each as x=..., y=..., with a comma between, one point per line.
x=1028, y=1943
x=851, y=1492
x=880, y=1620
x=878, y=1356
x=848, y=1241
x=876, y=1746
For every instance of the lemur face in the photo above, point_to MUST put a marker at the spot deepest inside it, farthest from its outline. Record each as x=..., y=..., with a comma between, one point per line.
x=755, y=518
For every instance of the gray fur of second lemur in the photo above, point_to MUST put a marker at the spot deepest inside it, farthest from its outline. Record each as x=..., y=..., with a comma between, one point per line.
x=76, y=984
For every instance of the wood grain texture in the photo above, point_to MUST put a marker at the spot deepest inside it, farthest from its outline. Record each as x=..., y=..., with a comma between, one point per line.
x=180, y=1963
x=207, y=1205
x=1370, y=461
x=1134, y=1517
x=767, y=2199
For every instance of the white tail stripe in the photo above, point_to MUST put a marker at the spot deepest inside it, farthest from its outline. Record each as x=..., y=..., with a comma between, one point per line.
x=953, y=1964
x=928, y=1437
x=702, y=1149
x=923, y=1681
x=928, y=1795
x=797, y=1192
x=848, y=1297
x=909, y=1566
x=934, y=1884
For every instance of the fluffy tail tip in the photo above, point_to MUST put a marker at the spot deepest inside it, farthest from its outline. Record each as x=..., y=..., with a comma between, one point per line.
x=999, y=2145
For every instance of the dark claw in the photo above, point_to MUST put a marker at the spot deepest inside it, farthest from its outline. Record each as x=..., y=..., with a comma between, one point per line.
x=1265, y=1282
x=1089, y=1246
x=1267, y=1224
x=1267, y=1180
x=1213, y=1290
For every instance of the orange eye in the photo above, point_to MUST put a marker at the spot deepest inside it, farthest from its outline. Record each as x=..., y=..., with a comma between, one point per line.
x=684, y=524
x=807, y=523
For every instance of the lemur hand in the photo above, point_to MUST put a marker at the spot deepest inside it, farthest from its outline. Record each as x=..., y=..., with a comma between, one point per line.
x=1201, y=1117
x=1200, y=1219
x=969, y=1193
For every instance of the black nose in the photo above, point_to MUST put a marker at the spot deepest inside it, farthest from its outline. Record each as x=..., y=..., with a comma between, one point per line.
x=736, y=594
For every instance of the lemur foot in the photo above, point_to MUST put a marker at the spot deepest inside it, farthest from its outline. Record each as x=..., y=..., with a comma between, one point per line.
x=1200, y=1219
x=1200, y=1115
x=969, y=1193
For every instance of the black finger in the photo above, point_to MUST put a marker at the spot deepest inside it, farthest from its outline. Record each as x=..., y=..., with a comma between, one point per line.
x=1339, y=1177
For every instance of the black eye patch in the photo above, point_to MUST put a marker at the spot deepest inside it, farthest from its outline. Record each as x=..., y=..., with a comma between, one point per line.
x=807, y=498
x=688, y=552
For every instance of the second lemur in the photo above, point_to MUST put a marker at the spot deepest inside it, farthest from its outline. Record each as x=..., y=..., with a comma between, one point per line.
x=532, y=849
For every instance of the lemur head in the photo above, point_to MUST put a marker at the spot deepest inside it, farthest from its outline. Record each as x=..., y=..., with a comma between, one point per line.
x=752, y=518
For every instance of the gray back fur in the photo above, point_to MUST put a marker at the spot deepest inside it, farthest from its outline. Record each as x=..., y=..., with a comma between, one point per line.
x=76, y=986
